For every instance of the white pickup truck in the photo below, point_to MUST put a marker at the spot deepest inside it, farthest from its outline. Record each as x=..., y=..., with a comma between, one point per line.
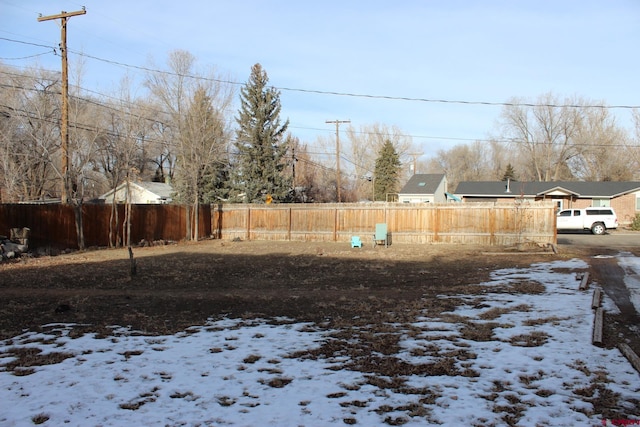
x=598, y=220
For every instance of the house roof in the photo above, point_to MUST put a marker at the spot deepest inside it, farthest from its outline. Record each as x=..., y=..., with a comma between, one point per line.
x=160, y=189
x=531, y=189
x=423, y=183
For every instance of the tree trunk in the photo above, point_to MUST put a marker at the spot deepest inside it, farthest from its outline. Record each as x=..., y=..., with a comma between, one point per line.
x=77, y=210
x=196, y=220
x=188, y=220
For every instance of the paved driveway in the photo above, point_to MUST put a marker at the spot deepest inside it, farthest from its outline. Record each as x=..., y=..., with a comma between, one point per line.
x=617, y=240
x=607, y=272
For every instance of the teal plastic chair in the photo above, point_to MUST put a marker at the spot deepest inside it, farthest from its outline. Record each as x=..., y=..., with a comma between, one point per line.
x=356, y=242
x=381, y=236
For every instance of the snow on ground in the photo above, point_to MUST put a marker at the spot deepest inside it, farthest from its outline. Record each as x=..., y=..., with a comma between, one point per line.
x=539, y=367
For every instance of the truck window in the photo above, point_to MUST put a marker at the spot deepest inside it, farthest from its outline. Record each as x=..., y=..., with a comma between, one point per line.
x=599, y=212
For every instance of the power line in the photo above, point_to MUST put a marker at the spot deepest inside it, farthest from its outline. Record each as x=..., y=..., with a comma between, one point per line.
x=156, y=111
x=27, y=43
x=369, y=96
x=25, y=57
x=346, y=94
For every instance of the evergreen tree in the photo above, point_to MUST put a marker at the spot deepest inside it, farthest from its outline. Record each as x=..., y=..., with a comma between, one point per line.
x=261, y=144
x=509, y=173
x=200, y=155
x=201, y=152
x=387, y=171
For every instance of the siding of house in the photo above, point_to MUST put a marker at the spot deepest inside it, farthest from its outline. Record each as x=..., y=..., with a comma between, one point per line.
x=138, y=196
x=429, y=195
x=624, y=197
x=416, y=198
x=625, y=207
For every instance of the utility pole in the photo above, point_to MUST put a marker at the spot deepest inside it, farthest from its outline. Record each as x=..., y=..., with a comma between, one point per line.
x=415, y=157
x=64, y=125
x=338, y=123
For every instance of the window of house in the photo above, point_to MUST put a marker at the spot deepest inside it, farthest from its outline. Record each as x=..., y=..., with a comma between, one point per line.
x=638, y=203
x=599, y=203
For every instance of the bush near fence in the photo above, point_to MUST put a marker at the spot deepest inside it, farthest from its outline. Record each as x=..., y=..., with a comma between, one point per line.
x=499, y=224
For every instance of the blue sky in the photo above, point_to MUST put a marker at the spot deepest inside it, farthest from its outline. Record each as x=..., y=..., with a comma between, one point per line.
x=485, y=51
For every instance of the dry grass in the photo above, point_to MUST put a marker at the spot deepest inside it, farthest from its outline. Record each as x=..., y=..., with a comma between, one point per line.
x=496, y=312
x=277, y=382
x=253, y=358
x=26, y=358
x=554, y=320
x=475, y=331
x=40, y=418
x=533, y=339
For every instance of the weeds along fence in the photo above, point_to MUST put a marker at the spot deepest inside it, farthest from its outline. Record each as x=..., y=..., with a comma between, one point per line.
x=466, y=223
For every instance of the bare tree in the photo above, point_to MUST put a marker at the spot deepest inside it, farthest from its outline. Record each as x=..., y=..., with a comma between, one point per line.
x=364, y=145
x=196, y=121
x=602, y=155
x=123, y=154
x=31, y=147
x=202, y=153
x=466, y=162
x=545, y=135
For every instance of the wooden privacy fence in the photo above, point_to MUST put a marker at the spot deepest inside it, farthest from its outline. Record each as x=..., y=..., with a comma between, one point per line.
x=53, y=225
x=468, y=223
x=473, y=223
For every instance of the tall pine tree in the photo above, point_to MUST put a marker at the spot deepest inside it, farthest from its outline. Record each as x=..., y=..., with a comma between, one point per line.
x=387, y=172
x=261, y=144
x=509, y=173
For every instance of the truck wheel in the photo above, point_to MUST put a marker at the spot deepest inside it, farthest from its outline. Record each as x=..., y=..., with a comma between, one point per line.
x=598, y=228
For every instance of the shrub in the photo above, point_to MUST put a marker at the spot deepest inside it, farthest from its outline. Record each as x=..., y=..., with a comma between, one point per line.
x=635, y=225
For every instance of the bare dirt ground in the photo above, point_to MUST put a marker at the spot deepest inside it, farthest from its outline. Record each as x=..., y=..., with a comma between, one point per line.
x=176, y=286
x=180, y=285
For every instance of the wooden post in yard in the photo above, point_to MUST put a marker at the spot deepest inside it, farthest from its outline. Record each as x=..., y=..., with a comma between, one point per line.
x=597, y=327
x=585, y=281
x=596, y=301
x=630, y=355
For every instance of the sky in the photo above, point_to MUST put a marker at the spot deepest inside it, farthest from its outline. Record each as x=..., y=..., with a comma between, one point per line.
x=245, y=372
x=399, y=59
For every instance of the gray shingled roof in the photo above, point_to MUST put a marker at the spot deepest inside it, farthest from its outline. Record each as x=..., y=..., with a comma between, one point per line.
x=530, y=189
x=423, y=183
x=160, y=188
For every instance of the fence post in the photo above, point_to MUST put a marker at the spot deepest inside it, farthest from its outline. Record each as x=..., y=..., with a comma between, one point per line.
x=436, y=224
x=248, y=222
x=492, y=225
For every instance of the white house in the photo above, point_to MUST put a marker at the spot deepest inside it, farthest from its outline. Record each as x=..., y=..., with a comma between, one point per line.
x=140, y=193
x=424, y=188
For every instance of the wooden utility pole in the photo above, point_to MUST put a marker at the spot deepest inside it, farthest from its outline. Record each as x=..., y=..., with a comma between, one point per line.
x=415, y=157
x=337, y=123
x=64, y=125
